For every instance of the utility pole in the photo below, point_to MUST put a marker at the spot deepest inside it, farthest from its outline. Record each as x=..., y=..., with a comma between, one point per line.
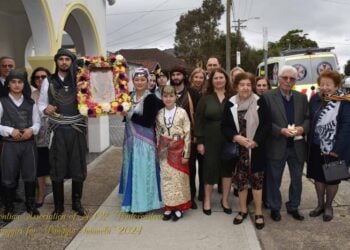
x=228, y=35
x=265, y=49
x=238, y=28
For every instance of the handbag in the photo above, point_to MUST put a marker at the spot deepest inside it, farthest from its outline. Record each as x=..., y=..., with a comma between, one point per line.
x=230, y=151
x=335, y=170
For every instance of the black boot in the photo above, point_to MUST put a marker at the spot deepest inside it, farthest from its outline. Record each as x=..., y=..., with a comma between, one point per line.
x=9, y=211
x=77, y=191
x=29, y=188
x=58, y=197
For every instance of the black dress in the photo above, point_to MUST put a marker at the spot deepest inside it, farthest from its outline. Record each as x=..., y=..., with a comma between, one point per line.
x=243, y=177
x=315, y=159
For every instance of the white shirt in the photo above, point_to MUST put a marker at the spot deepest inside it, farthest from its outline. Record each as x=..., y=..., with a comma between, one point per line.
x=6, y=131
x=43, y=101
x=169, y=116
x=2, y=80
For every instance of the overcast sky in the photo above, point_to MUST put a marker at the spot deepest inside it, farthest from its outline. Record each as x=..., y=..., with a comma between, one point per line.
x=152, y=23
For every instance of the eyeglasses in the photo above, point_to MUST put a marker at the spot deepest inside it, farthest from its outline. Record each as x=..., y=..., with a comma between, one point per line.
x=286, y=78
x=40, y=77
x=10, y=66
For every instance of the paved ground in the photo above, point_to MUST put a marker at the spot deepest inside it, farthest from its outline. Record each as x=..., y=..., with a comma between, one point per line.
x=107, y=228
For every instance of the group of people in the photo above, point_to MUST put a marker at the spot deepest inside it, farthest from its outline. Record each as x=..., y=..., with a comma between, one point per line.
x=29, y=121
x=175, y=124
x=192, y=122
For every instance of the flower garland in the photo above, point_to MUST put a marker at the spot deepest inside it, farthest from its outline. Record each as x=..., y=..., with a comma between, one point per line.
x=86, y=104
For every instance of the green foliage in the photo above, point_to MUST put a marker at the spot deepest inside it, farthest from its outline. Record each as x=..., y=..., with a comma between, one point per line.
x=196, y=32
x=294, y=39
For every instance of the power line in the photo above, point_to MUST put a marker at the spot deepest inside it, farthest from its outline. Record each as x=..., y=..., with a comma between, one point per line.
x=155, y=40
x=146, y=11
x=137, y=18
x=132, y=40
x=146, y=28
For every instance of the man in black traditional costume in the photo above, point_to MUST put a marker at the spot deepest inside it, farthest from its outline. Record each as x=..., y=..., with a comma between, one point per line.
x=68, y=145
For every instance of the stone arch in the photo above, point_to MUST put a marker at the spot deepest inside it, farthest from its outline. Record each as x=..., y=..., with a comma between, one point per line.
x=78, y=22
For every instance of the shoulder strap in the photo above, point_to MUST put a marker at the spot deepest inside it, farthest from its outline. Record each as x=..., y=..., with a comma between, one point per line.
x=190, y=103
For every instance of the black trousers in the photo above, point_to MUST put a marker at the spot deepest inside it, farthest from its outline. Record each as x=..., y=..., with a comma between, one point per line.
x=194, y=156
x=68, y=155
x=18, y=156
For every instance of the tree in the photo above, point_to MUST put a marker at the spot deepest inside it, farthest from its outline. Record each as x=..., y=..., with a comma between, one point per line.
x=197, y=31
x=347, y=68
x=250, y=57
x=294, y=39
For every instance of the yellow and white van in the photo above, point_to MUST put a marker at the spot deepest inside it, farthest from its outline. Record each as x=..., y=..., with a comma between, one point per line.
x=308, y=62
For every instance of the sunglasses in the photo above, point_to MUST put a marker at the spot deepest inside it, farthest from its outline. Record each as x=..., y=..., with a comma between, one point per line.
x=40, y=77
x=286, y=78
x=10, y=66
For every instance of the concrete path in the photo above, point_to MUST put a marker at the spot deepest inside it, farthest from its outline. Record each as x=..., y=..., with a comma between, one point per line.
x=112, y=229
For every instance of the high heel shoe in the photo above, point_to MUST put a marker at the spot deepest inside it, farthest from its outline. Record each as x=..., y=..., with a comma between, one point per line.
x=226, y=210
x=207, y=211
x=237, y=221
x=259, y=225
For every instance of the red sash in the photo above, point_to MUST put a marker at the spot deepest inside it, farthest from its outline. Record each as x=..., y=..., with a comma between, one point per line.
x=175, y=151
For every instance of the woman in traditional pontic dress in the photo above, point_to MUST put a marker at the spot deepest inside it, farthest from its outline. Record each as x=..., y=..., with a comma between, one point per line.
x=139, y=181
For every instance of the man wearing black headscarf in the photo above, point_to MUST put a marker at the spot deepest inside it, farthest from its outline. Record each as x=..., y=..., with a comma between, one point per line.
x=68, y=145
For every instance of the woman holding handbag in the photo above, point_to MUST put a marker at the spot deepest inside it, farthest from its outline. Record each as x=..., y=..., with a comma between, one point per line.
x=328, y=138
x=247, y=122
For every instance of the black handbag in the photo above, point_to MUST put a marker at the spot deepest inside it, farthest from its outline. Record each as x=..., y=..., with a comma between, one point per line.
x=335, y=170
x=230, y=151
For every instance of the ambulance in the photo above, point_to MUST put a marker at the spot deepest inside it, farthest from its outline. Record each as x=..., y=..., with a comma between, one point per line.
x=308, y=62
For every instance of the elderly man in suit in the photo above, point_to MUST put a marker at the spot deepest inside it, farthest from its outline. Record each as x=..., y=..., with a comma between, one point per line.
x=290, y=123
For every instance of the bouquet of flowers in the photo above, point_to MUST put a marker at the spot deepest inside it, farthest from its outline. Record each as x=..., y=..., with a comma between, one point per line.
x=86, y=104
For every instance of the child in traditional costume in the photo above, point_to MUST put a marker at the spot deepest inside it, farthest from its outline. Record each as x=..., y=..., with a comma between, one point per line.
x=174, y=142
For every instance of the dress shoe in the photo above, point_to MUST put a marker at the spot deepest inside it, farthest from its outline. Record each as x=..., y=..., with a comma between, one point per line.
x=177, y=215
x=226, y=210
x=207, y=211
x=238, y=220
x=275, y=215
x=316, y=212
x=167, y=215
x=296, y=214
x=328, y=214
x=194, y=205
x=259, y=225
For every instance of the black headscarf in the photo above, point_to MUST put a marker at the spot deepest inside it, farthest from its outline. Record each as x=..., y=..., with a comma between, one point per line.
x=23, y=76
x=73, y=68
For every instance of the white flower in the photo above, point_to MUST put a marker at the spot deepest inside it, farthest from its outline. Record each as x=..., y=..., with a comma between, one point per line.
x=83, y=109
x=119, y=58
x=126, y=106
x=106, y=107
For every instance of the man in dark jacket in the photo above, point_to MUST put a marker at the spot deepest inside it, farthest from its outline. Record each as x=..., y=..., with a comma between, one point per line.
x=286, y=142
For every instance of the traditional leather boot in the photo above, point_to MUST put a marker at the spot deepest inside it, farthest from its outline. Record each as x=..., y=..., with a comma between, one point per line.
x=77, y=191
x=29, y=188
x=9, y=211
x=58, y=197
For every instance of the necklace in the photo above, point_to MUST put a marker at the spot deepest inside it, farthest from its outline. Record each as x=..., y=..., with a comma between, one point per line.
x=169, y=118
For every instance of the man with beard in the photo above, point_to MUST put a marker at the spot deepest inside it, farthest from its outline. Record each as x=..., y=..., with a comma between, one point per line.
x=187, y=99
x=68, y=146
